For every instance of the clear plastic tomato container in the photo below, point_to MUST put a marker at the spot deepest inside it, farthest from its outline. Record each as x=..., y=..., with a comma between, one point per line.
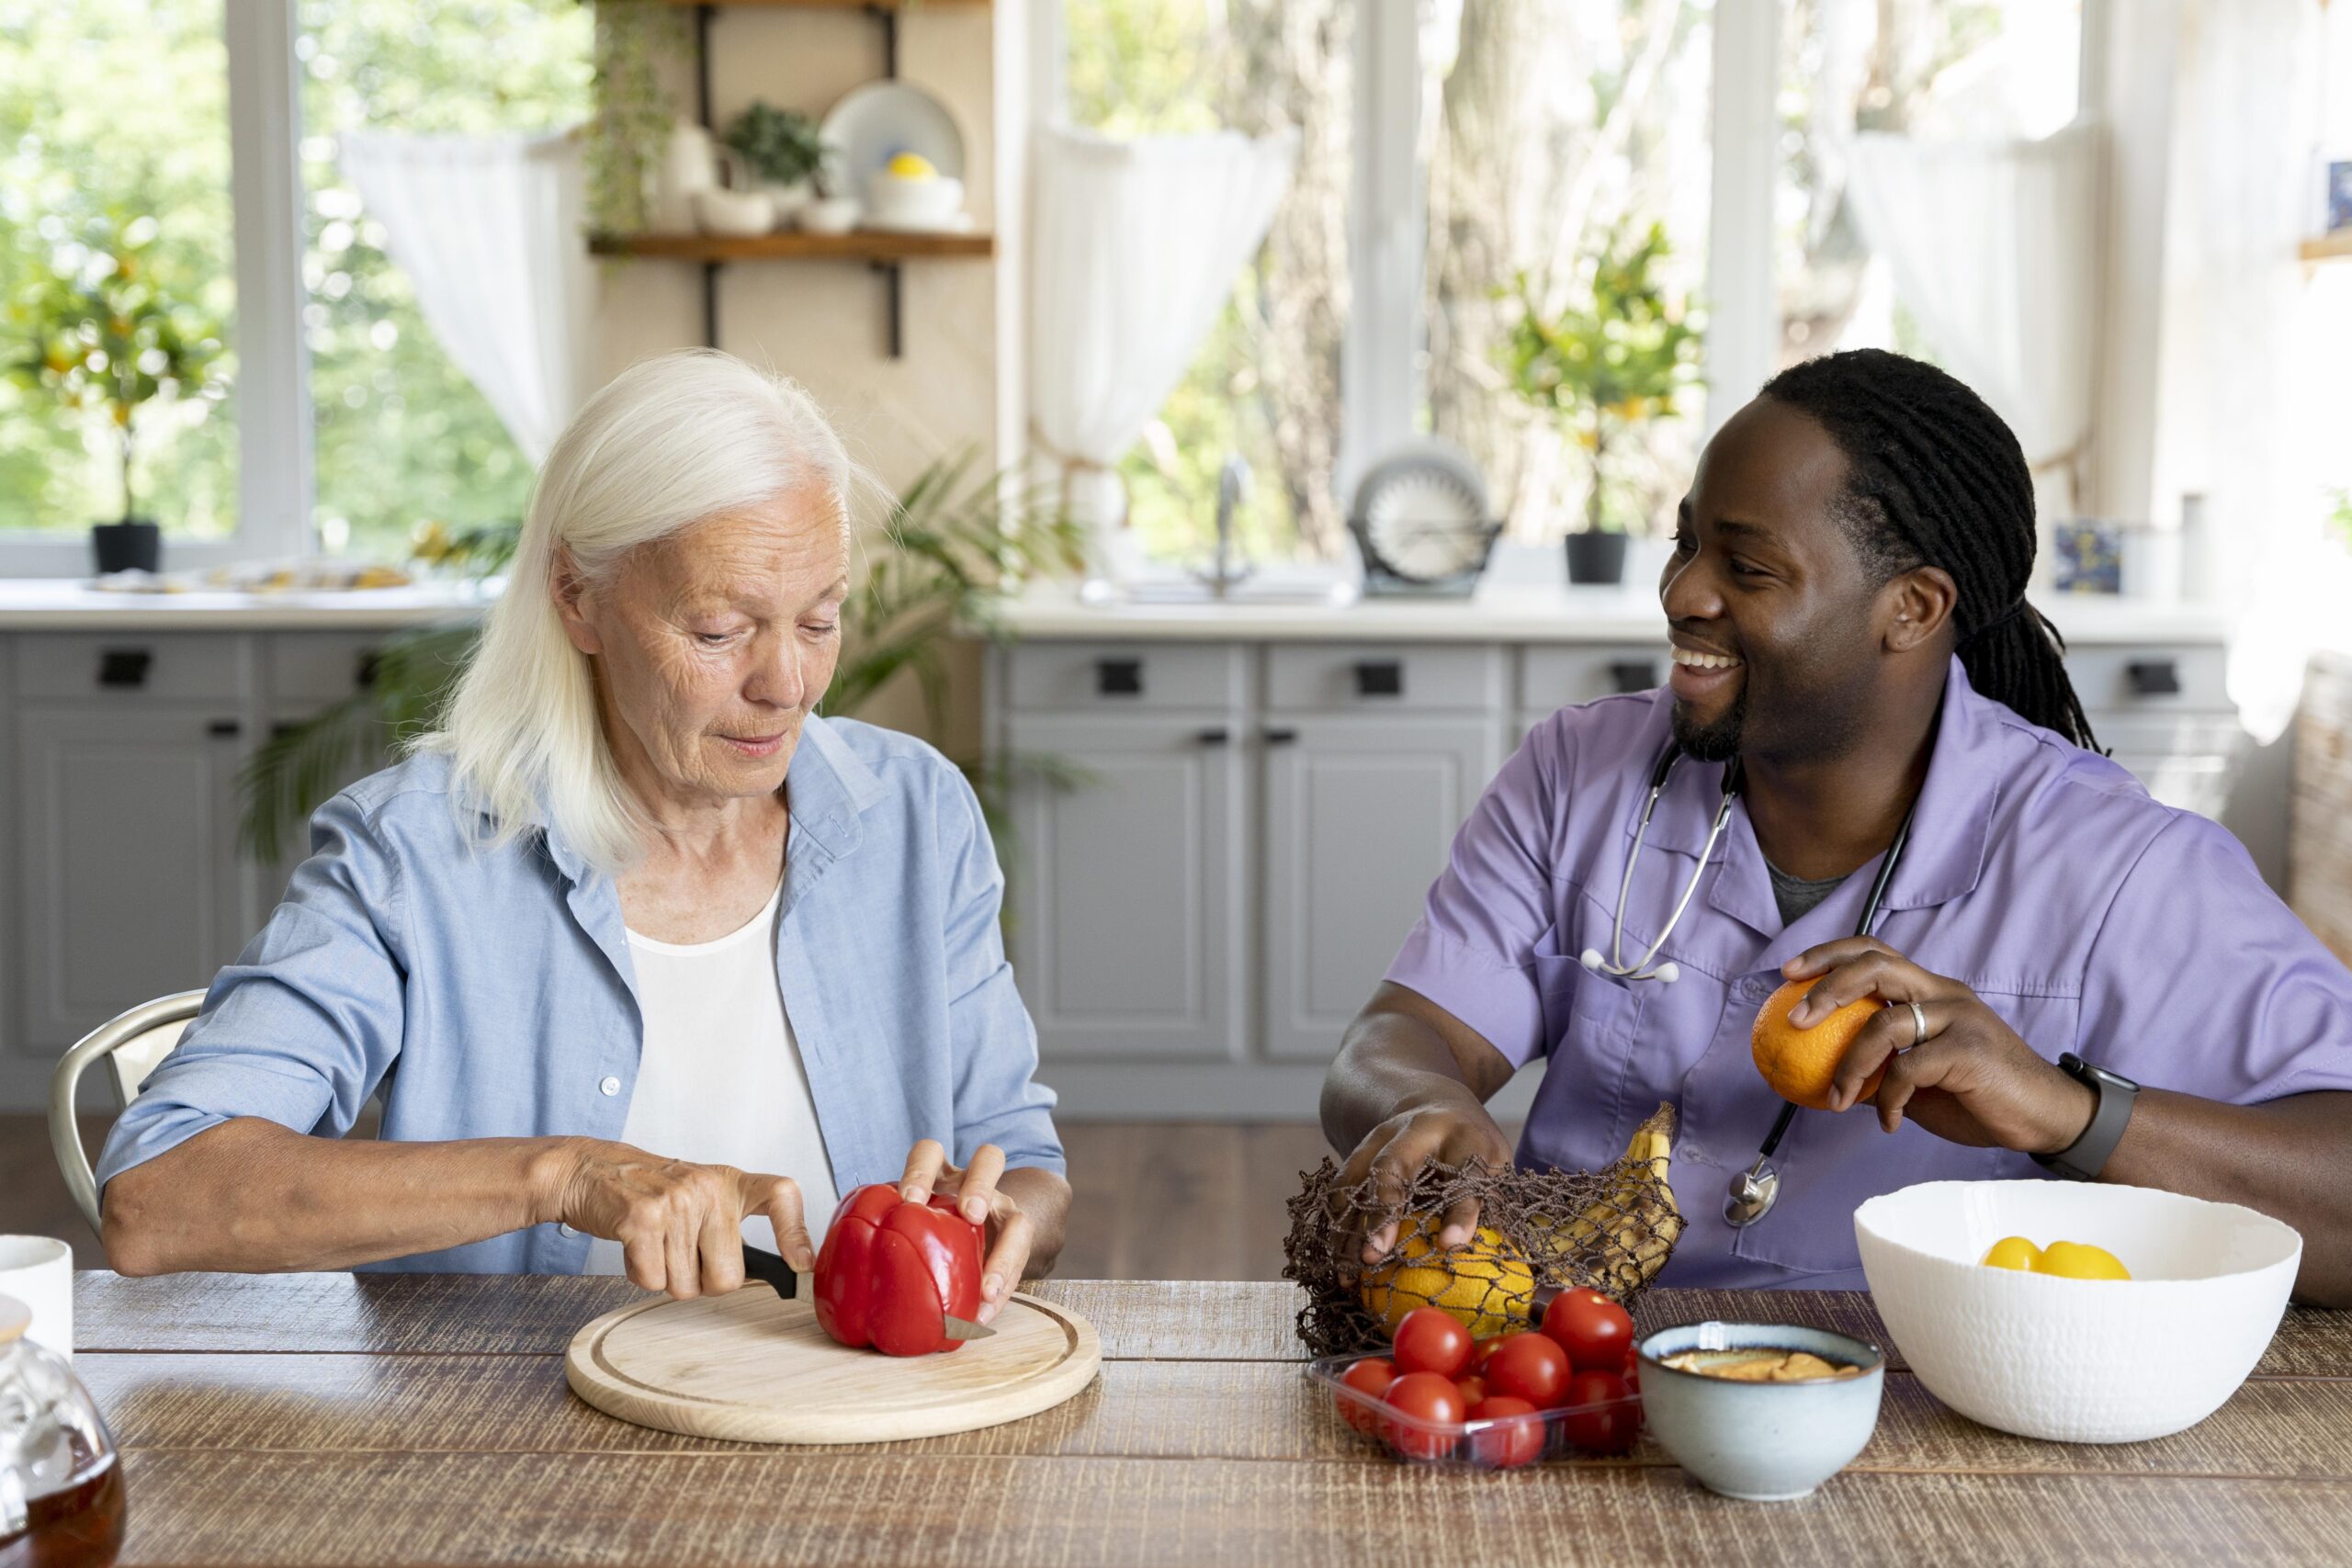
x=1600, y=1429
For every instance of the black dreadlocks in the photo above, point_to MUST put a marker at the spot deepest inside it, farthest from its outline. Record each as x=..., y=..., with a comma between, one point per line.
x=1935, y=477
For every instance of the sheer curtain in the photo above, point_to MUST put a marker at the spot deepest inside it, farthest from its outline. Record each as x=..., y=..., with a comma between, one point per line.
x=489, y=230
x=1992, y=245
x=1134, y=250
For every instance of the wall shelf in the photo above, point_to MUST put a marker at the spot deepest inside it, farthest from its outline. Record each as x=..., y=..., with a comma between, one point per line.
x=863, y=245
x=2329, y=247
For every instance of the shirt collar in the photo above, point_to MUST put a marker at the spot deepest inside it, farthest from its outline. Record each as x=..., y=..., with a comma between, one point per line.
x=827, y=788
x=1951, y=830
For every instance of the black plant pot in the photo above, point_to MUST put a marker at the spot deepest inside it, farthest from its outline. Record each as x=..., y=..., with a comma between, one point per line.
x=127, y=546
x=1596, y=558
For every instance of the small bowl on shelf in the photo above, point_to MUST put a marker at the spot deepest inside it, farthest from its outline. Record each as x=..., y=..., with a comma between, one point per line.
x=829, y=215
x=734, y=214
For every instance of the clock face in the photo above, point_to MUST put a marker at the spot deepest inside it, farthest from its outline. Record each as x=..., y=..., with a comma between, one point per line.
x=1426, y=523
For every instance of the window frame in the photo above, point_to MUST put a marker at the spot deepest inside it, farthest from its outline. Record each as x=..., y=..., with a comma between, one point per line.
x=272, y=388
x=1380, y=368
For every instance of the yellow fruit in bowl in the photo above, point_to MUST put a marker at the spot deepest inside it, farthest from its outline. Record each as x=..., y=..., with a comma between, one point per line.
x=2012, y=1252
x=1485, y=1284
x=2081, y=1260
x=911, y=166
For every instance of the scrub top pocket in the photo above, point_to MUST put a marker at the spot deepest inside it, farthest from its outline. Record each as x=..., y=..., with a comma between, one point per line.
x=1592, y=1022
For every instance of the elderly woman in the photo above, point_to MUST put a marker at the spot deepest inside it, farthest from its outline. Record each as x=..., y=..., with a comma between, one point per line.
x=645, y=958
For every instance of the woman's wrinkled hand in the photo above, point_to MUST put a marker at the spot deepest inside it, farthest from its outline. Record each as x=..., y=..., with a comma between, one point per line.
x=680, y=1225
x=1010, y=1233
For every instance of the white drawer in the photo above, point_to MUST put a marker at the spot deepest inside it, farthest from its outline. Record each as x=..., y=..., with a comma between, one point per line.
x=2149, y=678
x=1367, y=677
x=1122, y=677
x=317, y=668
x=97, y=666
x=1552, y=678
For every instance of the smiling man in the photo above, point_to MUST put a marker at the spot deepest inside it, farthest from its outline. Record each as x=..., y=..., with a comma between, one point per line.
x=2080, y=982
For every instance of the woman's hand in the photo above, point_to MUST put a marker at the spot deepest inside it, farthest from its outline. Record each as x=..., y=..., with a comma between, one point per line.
x=680, y=1225
x=1010, y=1232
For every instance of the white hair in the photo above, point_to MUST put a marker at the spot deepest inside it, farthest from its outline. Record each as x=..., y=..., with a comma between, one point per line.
x=672, y=441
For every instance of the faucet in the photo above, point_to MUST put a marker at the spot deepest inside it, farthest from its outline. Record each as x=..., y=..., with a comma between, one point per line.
x=1232, y=489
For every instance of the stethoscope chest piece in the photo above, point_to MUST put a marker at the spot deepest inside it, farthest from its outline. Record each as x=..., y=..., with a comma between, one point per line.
x=1753, y=1193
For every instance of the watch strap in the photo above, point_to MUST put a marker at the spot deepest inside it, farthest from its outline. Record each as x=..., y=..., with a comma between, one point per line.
x=2083, y=1159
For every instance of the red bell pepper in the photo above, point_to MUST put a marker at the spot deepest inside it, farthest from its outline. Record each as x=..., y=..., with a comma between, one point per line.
x=890, y=1272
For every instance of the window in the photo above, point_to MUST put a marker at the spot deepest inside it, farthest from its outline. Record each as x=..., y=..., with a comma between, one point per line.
x=1941, y=68
x=114, y=137
x=1541, y=134
x=159, y=129
x=1267, y=381
x=400, y=436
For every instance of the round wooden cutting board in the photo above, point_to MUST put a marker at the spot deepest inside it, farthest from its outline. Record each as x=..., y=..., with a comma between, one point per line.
x=752, y=1367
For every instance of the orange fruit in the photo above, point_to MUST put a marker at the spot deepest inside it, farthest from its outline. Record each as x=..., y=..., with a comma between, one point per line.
x=1800, y=1063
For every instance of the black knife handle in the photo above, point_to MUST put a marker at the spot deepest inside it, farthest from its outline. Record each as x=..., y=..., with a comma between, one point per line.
x=766, y=1267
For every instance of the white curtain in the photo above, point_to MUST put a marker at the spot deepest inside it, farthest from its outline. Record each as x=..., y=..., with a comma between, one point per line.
x=1992, y=245
x=489, y=230
x=1134, y=249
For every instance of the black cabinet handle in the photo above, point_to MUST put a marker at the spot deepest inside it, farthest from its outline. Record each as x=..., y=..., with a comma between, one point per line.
x=370, y=664
x=124, y=666
x=224, y=728
x=1218, y=736
x=1632, y=674
x=2153, y=677
x=1380, y=678
x=1118, y=677
x=1280, y=737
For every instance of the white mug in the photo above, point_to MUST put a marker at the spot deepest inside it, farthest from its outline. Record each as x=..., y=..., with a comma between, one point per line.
x=38, y=1271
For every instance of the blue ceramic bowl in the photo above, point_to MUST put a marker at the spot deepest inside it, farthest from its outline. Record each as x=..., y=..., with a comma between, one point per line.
x=1763, y=1443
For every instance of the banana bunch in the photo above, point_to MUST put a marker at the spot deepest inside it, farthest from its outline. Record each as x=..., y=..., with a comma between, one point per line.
x=1625, y=1234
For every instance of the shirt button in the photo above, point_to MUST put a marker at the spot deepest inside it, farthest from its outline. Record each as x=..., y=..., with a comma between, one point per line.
x=566, y=1232
x=609, y=1087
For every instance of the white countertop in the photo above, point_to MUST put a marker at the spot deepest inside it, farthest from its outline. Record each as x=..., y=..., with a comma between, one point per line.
x=1500, y=611
x=71, y=605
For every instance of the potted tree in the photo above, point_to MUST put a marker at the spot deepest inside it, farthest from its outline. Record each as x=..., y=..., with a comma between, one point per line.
x=782, y=150
x=1600, y=366
x=103, y=335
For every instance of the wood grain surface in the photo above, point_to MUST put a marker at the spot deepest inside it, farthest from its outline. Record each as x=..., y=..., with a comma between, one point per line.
x=749, y=1366
x=330, y=1418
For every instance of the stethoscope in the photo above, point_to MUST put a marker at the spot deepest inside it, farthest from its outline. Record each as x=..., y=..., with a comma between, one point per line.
x=1753, y=1191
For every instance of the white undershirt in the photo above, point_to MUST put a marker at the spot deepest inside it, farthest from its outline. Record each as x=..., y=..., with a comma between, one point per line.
x=719, y=1081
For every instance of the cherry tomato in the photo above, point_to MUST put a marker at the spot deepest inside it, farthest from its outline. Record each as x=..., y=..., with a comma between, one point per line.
x=1482, y=1348
x=1473, y=1388
x=1372, y=1375
x=1430, y=1340
x=1595, y=1332
x=1528, y=1367
x=1608, y=1430
x=1425, y=1396
x=1518, y=1441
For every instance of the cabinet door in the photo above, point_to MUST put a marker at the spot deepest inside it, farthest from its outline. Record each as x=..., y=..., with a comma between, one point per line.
x=130, y=884
x=1125, y=920
x=1358, y=816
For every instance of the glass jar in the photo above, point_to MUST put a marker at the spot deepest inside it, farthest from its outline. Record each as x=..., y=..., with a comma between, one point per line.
x=60, y=1480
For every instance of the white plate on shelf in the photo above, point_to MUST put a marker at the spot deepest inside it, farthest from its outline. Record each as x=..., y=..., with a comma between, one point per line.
x=876, y=122
x=961, y=225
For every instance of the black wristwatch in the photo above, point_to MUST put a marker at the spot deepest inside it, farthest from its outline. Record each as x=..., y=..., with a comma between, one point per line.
x=2083, y=1159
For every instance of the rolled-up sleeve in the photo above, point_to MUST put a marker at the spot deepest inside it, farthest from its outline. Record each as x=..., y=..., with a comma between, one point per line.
x=2202, y=981
x=998, y=1099
x=304, y=1025
x=1472, y=951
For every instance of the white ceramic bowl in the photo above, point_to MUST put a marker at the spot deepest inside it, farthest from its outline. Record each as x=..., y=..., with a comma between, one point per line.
x=829, y=215
x=735, y=213
x=2077, y=1360
x=932, y=203
x=1761, y=1442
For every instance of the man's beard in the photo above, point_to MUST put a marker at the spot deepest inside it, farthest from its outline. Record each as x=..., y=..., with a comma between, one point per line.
x=1716, y=742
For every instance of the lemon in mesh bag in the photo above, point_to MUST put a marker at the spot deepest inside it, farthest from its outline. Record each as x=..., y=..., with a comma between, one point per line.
x=1487, y=1283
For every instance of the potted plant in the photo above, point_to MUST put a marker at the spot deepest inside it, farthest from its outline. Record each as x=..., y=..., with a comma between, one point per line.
x=782, y=150
x=102, y=335
x=1602, y=366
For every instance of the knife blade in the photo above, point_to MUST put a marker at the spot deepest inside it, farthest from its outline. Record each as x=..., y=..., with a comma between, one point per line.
x=765, y=1266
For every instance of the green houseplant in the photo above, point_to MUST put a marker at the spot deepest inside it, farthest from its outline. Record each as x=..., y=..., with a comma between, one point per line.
x=956, y=542
x=103, y=334
x=780, y=146
x=1603, y=364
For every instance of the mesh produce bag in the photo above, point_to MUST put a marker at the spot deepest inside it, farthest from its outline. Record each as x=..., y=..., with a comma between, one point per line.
x=1611, y=1229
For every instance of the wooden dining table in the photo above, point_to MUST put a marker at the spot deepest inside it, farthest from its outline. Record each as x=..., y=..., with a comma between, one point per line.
x=338, y=1418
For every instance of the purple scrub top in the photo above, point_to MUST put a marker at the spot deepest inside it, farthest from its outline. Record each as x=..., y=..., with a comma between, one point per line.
x=2090, y=917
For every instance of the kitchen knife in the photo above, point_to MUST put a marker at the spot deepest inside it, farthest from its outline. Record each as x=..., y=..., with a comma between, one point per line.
x=761, y=1264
